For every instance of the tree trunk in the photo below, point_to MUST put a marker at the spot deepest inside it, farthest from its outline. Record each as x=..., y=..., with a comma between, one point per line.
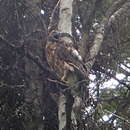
x=35, y=81
x=64, y=25
x=69, y=110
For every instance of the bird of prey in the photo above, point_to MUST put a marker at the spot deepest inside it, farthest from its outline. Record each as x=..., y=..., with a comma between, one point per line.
x=63, y=57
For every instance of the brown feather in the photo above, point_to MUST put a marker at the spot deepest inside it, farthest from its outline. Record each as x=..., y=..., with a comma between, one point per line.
x=61, y=59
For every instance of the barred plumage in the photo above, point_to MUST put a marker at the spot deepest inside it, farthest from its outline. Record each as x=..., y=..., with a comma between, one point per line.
x=63, y=57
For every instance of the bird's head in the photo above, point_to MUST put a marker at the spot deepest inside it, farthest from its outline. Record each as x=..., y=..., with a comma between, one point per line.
x=54, y=36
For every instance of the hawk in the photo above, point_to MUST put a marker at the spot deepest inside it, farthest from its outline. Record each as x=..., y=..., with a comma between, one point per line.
x=63, y=57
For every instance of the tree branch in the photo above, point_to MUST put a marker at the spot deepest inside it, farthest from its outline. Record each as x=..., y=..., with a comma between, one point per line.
x=102, y=30
x=30, y=56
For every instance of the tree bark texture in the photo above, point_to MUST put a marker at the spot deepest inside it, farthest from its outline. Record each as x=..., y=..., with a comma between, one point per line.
x=64, y=25
x=35, y=91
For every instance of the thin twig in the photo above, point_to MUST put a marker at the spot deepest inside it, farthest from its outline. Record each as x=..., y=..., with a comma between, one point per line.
x=112, y=76
x=59, y=82
x=52, y=16
x=122, y=118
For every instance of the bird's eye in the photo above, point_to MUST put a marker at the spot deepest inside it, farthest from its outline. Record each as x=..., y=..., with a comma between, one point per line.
x=56, y=35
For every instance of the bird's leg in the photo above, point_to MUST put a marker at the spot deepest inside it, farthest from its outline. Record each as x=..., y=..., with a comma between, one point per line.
x=68, y=69
x=66, y=77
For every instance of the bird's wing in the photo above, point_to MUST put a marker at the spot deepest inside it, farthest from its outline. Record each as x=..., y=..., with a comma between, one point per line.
x=72, y=57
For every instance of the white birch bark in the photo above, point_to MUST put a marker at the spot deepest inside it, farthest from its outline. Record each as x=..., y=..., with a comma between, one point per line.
x=64, y=25
x=65, y=16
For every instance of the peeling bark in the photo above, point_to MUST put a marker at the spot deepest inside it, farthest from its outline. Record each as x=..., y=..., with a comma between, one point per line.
x=65, y=16
x=64, y=25
x=62, y=112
